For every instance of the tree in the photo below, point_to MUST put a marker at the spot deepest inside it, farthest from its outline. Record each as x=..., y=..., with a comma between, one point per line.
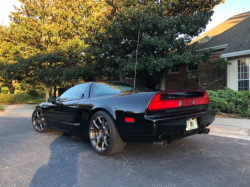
x=166, y=29
x=53, y=33
x=210, y=74
x=11, y=71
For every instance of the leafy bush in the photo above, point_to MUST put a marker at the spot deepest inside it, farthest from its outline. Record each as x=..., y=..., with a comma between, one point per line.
x=33, y=93
x=230, y=101
x=5, y=90
x=246, y=94
x=1, y=107
x=14, y=98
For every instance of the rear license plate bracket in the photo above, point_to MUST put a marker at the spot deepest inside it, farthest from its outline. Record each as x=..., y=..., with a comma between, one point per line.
x=191, y=124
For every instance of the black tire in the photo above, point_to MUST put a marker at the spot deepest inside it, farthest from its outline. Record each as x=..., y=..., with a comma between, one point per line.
x=103, y=134
x=38, y=121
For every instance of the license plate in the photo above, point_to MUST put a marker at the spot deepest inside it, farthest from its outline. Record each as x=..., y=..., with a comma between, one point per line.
x=191, y=124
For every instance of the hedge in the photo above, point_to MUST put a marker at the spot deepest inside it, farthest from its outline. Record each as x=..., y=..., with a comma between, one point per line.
x=230, y=101
x=14, y=98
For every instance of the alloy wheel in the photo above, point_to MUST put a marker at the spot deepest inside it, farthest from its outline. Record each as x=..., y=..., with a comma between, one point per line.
x=38, y=121
x=99, y=133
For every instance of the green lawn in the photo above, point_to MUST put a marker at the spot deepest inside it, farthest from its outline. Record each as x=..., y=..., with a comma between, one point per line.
x=36, y=101
x=33, y=108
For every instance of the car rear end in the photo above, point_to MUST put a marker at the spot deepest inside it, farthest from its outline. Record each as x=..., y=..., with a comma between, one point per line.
x=173, y=115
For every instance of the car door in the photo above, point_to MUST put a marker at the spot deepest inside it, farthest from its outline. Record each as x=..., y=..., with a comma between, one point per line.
x=62, y=114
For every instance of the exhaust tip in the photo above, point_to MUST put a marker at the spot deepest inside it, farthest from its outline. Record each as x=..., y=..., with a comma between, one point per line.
x=161, y=143
x=206, y=131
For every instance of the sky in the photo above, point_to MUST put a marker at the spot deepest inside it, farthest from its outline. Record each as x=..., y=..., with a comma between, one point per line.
x=221, y=12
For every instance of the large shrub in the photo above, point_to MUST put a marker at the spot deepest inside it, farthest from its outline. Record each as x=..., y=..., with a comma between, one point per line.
x=230, y=101
x=14, y=98
x=33, y=93
x=4, y=90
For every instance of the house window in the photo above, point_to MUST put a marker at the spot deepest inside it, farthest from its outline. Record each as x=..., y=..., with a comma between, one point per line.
x=174, y=69
x=243, y=75
x=192, y=68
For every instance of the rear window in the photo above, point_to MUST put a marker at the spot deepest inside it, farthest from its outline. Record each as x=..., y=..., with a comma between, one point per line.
x=114, y=88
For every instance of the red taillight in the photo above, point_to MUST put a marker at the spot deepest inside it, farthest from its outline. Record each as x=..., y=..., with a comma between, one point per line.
x=130, y=120
x=158, y=104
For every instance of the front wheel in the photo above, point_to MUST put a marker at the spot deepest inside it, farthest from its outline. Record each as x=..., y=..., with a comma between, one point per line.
x=103, y=134
x=38, y=121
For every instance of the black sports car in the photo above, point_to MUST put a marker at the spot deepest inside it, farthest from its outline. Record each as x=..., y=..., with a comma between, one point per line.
x=110, y=114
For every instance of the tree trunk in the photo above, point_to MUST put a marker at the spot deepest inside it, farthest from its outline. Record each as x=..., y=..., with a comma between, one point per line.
x=11, y=89
x=55, y=90
x=163, y=82
x=47, y=91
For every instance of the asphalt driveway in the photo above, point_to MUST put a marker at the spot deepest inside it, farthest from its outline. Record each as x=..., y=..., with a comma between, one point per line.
x=28, y=158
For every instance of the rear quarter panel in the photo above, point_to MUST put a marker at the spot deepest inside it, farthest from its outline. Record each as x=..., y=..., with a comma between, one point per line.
x=121, y=106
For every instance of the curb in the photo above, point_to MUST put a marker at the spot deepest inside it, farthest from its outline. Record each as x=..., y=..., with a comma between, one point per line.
x=219, y=128
x=16, y=114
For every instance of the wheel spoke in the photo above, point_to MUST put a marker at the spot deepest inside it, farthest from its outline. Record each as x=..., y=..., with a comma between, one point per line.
x=94, y=138
x=96, y=124
x=103, y=125
x=37, y=114
x=97, y=141
x=99, y=120
x=107, y=133
x=105, y=141
x=102, y=145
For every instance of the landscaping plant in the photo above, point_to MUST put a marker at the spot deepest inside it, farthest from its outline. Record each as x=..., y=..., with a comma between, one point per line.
x=230, y=101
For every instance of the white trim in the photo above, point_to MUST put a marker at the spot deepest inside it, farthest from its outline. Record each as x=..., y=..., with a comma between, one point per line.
x=214, y=47
x=237, y=75
x=234, y=54
x=228, y=74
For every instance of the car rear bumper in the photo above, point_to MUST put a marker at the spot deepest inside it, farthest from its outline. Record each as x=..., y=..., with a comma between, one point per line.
x=153, y=130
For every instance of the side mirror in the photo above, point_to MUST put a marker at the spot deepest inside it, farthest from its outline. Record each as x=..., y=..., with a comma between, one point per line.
x=52, y=99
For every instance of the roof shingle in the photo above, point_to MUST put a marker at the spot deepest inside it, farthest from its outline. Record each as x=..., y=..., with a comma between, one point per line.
x=235, y=32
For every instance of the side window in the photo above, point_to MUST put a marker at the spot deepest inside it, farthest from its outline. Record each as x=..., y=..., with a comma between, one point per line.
x=73, y=93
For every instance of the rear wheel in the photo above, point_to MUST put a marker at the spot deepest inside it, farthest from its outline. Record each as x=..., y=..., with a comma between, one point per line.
x=103, y=134
x=38, y=121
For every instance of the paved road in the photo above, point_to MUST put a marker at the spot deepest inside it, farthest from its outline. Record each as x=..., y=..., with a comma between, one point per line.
x=28, y=158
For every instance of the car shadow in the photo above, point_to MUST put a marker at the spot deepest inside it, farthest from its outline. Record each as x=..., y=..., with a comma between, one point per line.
x=73, y=162
x=61, y=169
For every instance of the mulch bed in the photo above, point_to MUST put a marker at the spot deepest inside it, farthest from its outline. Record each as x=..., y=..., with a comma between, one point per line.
x=236, y=116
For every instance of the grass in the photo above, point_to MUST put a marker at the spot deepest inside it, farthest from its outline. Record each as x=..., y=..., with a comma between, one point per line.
x=36, y=101
x=33, y=108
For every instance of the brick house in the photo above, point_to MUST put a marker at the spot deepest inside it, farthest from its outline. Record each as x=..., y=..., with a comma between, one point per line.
x=229, y=40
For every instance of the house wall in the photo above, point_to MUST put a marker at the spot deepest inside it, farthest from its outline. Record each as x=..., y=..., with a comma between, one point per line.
x=178, y=81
